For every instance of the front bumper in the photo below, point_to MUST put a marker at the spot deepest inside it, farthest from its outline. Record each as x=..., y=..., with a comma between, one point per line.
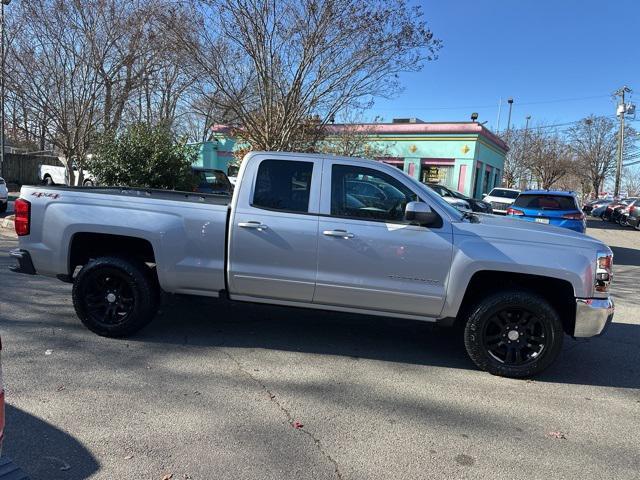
x=593, y=316
x=25, y=265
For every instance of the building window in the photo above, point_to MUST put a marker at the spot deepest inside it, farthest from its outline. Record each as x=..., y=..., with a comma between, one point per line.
x=442, y=174
x=485, y=184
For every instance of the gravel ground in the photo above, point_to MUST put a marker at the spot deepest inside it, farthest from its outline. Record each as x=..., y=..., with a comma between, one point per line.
x=211, y=391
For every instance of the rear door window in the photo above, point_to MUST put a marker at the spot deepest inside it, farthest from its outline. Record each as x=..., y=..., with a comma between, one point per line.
x=546, y=202
x=283, y=185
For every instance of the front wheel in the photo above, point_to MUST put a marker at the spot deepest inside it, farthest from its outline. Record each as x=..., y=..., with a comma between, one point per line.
x=115, y=297
x=88, y=183
x=513, y=334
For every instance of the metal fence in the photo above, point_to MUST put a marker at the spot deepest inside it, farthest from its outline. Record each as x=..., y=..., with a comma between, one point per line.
x=23, y=168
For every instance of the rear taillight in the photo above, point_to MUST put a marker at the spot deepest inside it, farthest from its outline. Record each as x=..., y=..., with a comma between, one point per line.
x=632, y=209
x=22, y=221
x=514, y=211
x=573, y=216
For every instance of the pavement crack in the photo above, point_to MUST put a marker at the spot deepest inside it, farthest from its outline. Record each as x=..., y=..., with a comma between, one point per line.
x=285, y=412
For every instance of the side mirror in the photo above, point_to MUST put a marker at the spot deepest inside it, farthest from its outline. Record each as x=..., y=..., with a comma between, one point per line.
x=419, y=213
x=484, y=195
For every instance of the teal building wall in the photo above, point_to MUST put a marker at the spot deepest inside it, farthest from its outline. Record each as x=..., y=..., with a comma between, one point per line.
x=464, y=156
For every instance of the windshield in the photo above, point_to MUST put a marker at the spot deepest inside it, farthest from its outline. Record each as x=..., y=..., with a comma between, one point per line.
x=213, y=179
x=502, y=193
x=546, y=202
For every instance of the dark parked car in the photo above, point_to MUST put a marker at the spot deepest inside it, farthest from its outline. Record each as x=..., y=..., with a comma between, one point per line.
x=613, y=211
x=623, y=218
x=590, y=206
x=633, y=217
x=212, y=181
x=476, y=205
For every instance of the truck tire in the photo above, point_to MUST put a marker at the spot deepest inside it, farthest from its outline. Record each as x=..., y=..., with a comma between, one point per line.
x=87, y=183
x=3, y=207
x=513, y=334
x=48, y=181
x=115, y=297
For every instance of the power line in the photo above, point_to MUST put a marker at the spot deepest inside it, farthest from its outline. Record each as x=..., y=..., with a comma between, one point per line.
x=494, y=105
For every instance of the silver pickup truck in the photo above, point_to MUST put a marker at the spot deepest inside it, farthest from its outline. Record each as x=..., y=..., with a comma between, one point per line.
x=322, y=232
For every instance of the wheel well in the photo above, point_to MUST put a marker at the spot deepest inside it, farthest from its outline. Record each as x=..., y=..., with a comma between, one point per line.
x=558, y=292
x=85, y=246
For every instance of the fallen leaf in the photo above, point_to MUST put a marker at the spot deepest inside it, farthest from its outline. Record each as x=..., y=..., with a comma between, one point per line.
x=297, y=425
x=168, y=476
x=60, y=388
x=558, y=435
x=48, y=352
x=128, y=457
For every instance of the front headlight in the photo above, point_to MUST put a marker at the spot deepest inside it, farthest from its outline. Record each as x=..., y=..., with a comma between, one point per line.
x=604, y=272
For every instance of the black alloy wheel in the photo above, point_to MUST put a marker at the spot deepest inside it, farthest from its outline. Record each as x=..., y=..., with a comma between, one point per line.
x=513, y=333
x=109, y=299
x=515, y=336
x=115, y=297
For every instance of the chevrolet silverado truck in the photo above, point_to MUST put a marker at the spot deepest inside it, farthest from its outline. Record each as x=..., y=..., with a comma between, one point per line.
x=323, y=232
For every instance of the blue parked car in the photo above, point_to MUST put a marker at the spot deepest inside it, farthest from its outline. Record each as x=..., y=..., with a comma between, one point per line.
x=549, y=207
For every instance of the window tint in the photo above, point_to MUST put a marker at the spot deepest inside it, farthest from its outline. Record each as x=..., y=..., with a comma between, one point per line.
x=366, y=193
x=546, y=202
x=283, y=185
x=499, y=192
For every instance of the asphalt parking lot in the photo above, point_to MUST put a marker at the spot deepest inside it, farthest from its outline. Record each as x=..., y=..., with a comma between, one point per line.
x=214, y=391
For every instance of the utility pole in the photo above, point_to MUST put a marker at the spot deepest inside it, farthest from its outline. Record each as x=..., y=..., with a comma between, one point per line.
x=2, y=4
x=621, y=111
x=524, y=146
x=498, y=119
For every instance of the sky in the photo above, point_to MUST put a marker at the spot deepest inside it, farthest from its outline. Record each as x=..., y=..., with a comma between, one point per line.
x=559, y=60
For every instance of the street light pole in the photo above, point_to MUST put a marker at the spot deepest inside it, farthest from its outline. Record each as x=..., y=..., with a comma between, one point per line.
x=2, y=4
x=621, y=111
x=510, y=102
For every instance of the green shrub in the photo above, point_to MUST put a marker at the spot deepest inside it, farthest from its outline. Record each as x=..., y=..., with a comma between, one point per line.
x=143, y=156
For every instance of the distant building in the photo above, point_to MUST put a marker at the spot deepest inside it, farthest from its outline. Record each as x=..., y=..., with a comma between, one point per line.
x=464, y=156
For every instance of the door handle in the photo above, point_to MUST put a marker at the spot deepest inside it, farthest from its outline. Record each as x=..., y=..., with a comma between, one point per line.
x=338, y=233
x=256, y=225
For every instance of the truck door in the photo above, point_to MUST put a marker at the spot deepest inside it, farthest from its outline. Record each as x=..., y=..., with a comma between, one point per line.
x=273, y=240
x=369, y=257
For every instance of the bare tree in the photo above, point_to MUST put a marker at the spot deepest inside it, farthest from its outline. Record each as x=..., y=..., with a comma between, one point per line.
x=52, y=72
x=549, y=157
x=594, y=141
x=276, y=64
x=515, y=172
x=76, y=66
x=631, y=181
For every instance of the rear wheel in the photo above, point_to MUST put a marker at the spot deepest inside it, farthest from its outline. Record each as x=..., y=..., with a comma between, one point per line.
x=115, y=297
x=48, y=181
x=513, y=334
x=3, y=207
x=88, y=183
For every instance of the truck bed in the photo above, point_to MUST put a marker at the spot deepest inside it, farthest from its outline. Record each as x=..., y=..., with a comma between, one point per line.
x=173, y=195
